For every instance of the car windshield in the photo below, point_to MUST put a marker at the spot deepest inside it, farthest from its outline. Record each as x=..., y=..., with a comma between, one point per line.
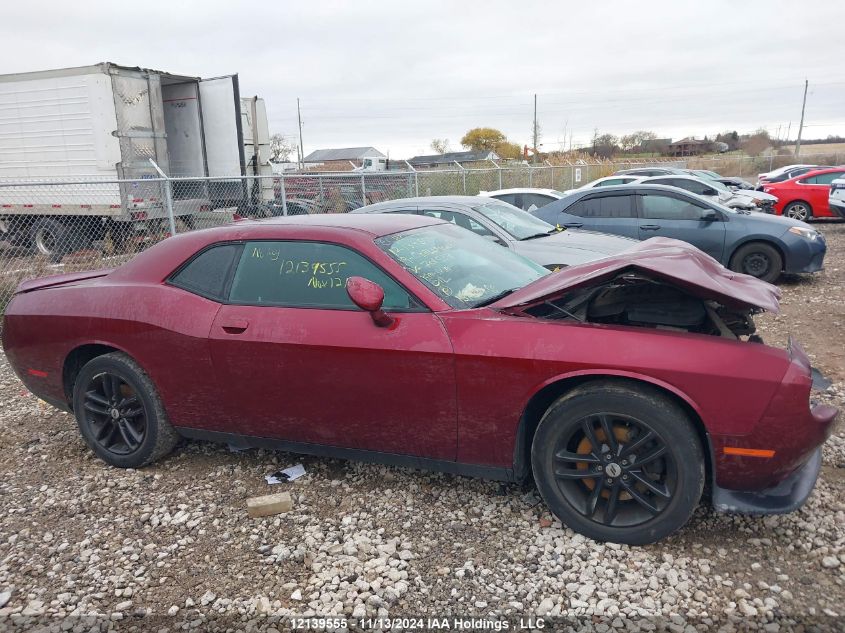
x=462, y=268
x=518, y=223
x=719, y=185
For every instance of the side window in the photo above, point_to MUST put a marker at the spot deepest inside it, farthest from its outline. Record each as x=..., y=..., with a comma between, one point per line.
x=826, y=179
x=603, y=207
x=808, y=181
x=207, y=273
x=661, y=207
x=307, y=274
x=692, y=185
x=613, y=181
x=531, y=201
x=510, y=198
x=462, y=220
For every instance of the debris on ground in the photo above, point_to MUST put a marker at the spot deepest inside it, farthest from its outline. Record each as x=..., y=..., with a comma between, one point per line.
x=288, y=474
x=269, y=505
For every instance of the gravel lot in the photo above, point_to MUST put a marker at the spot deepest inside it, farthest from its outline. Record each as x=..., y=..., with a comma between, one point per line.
x=171, y=547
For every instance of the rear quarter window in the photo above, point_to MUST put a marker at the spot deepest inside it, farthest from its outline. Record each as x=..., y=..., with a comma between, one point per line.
x=208, y=273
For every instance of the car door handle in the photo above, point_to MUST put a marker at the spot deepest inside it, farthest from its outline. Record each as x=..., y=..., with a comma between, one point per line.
x=574, y=225
x=649, y=227
x=235, y=326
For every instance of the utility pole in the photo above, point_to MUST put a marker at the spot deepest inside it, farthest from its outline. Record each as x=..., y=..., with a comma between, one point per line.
x=301, y=148
x=536, y=134
x=788, y=130
x=801, y=125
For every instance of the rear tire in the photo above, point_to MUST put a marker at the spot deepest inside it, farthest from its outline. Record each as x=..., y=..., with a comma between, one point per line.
x=758, y=259
x=638, y=487
x=798, y=211
x=120, y=414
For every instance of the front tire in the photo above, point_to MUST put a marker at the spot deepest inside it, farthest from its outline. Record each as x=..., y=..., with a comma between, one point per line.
x=618, y=462
x=120, y=414
x=758, y=259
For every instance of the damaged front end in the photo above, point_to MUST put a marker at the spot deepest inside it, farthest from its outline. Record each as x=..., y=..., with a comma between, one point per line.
x=660, y=283
x=638, y=300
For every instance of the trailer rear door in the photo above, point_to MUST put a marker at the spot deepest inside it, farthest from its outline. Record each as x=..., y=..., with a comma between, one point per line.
x=221, y=123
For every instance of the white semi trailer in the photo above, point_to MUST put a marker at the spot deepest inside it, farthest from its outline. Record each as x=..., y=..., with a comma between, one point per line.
x=105, y=122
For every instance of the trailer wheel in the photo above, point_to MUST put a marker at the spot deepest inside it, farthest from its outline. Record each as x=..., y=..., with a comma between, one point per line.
x=55, y=239
x=50, y=237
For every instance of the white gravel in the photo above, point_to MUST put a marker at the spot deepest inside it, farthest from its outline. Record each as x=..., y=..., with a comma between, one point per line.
x=87, y=547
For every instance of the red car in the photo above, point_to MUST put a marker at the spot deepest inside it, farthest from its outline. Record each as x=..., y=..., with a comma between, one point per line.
x=806, y=196
x=623, y=385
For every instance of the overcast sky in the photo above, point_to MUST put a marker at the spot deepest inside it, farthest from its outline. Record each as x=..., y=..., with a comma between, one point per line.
x=397, y=74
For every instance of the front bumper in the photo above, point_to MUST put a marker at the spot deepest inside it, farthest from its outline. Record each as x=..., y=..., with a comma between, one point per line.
x=779, y=445
x=787, y=496
x=803, y=255
x=837, y=207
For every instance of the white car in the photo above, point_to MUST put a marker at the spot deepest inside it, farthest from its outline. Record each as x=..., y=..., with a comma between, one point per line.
x=526, y=198
x=530, y=198
x=837, y=197
x=716, y=191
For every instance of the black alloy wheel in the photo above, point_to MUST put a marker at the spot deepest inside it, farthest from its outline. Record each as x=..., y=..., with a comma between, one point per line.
x=618, y=461
x=120, y=413
x=615, y=470
x=115, y=414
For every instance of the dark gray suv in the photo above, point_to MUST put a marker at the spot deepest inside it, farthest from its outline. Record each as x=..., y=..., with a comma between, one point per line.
x=745, y=241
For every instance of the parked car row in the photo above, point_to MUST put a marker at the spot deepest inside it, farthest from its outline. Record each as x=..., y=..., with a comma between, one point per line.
x=757, y=244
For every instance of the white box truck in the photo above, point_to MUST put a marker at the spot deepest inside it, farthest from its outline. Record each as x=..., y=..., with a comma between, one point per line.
x=105, y=122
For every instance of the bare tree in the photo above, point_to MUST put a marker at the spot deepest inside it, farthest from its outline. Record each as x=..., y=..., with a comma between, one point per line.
x=440, y=145
x=281, y=147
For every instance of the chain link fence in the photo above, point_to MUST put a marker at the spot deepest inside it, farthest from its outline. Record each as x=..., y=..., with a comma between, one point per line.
x=57, y=226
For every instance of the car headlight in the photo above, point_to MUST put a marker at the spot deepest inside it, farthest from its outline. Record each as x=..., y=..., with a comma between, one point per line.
x=810, y=234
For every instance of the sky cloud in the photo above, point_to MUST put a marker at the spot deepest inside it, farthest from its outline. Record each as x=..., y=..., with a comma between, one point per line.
x=395, y=74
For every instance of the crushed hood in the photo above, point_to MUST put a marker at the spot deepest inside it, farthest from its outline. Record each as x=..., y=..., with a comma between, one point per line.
x=661, y=258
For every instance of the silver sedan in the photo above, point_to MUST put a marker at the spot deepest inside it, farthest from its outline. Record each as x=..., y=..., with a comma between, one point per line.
x=500, y=222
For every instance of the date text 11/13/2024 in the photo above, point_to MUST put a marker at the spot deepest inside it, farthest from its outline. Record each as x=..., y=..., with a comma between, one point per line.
x=428, y=623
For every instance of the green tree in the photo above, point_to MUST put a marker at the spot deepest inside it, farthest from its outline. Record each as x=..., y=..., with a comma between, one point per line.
x=506, y=149
x=483, y=139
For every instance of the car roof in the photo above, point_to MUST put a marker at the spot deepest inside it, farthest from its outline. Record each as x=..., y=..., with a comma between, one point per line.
x=821, y=170
x=668, y=170
x=470, y=201
x=551, y=192
x=674, y=176
x=633, y=187
x=375, y=224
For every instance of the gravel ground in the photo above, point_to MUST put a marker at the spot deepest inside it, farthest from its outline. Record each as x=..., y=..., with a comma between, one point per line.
x=171, y=547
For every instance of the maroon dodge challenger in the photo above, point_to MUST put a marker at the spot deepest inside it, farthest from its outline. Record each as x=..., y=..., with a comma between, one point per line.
x=623, y=386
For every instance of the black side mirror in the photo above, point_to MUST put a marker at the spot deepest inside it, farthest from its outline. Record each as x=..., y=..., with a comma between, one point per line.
x=709, y=215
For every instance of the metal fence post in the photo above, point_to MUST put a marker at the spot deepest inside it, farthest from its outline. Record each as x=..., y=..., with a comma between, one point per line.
x=284, y=194
x=416, y=179
x=463, y=175
x=363, y=191
x=530, y=176
x=168, y=197
x=498, y=169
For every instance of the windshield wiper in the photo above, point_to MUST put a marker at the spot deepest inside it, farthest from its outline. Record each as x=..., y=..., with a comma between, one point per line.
x=536, y=235
x=495, y=298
